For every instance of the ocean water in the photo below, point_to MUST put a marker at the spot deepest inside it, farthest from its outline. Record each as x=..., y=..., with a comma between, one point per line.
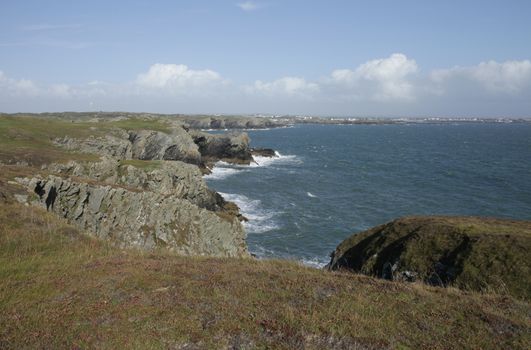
x=331, y=181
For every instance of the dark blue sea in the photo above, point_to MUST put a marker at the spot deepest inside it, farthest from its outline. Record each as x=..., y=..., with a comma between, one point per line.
x=331, y=181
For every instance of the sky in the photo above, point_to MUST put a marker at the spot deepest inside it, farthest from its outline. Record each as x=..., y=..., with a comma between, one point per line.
x=374, y=58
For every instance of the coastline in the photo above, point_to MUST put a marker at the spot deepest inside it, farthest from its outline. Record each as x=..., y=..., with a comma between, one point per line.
x=193, y=283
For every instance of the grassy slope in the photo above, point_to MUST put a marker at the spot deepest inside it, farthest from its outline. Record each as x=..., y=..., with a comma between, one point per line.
x=30, y=139
x=489, y=254
x=59, y=289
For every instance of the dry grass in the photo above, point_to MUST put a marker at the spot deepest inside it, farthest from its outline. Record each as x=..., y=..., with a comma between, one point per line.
x=485, y=254
x=62, y=289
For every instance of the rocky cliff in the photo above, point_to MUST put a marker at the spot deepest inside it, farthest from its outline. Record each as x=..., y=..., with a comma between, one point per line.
x=190, y=146
x=232, y=148
x=147, y=189
x=466, y=252
x=233, y=122
x=164, y=204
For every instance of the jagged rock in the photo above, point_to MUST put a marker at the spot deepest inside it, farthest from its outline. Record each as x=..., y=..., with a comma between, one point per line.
x=192, y=147
x=406, y=276
x=173, y=178
x=387, y=271
x=263, y=152
x=229, y=122
x=232, y=147
x=141, y=144
x=143, y=219
x=151, y=145
x=117, y=145
x=466, y=252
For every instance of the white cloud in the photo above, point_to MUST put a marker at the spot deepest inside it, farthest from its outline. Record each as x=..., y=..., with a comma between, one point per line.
x=61, y=90
x=287, y=86
x=17, y=87
x=379, y=79
x=384, y=86
x=248, y=6
x=508, y=77
x=178, y=78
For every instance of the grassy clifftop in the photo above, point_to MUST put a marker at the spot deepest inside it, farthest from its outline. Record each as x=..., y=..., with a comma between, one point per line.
x=466, y=252
x=29, y=139
x=59, y=288
x=62, y=289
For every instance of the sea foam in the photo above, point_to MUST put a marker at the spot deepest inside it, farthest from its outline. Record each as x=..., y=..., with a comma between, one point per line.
x=260, y=219
x=260, y=161
x=220, y=171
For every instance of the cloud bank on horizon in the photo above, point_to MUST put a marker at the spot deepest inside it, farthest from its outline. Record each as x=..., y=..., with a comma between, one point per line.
x=342, y=57
x=393, y=85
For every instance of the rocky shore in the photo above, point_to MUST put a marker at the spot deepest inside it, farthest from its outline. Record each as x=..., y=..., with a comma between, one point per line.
x=77, y=194
x=146, y=189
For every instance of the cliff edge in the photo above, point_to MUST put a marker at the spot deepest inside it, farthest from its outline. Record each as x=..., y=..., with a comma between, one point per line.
x=472, y=253
x=133, y=182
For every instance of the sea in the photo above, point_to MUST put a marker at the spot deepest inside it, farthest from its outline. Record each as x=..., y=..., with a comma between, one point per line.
x=328, y=182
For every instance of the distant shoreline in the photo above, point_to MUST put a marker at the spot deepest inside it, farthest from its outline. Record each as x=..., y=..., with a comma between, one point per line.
x=258, y=122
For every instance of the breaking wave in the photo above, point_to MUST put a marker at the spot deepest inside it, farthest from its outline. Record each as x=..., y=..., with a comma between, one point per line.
x=260, y=219
x=260, y=161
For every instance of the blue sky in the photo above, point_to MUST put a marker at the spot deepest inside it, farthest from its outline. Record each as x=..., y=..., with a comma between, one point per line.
x=378, y=58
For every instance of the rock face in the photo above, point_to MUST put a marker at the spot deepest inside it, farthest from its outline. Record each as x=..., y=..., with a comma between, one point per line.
x=194, y=147
x=149, y=145
x=173, y=178
x=147, y=190
x=466, y=252
x=263, y=152
x=116, y=146
x=233, y=122
x=169, y=207
x=232, y=148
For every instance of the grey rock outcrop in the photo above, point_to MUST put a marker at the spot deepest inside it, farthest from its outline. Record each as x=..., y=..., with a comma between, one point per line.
x=148, y=145
x=233, y=122
x=194, y=147
x=173, y=178
x=117, y=146
x=233, y=147
x=142, y=219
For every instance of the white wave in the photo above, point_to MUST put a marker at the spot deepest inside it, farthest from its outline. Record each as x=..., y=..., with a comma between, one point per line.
x=220, y=172
x=262, y=253
x=311, y=195
x=260, y=219
x=260, y=161
x=316, y=262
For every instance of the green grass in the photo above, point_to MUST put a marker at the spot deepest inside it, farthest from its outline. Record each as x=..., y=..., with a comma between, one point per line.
x=486, y=254
x=62, y=289
x=158, y=124
x=30, y=138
